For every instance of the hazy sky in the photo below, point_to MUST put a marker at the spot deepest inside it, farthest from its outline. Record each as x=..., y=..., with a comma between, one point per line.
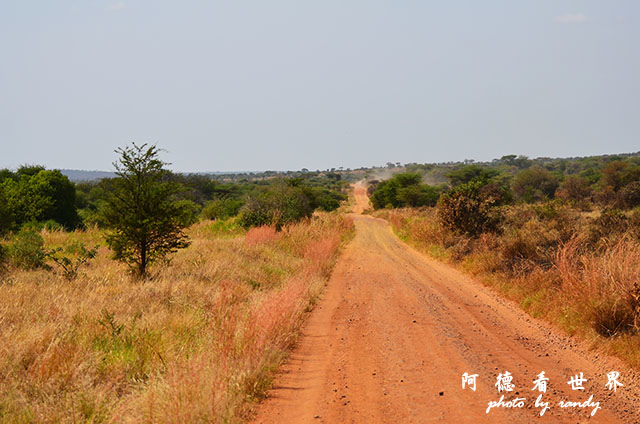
x=255, y=85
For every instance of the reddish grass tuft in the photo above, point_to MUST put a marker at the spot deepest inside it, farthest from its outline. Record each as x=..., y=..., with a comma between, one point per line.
x=261, y=235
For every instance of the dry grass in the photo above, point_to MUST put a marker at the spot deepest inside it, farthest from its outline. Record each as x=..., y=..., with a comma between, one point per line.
x=552, y=267
x=606, y=284
x=197, y=342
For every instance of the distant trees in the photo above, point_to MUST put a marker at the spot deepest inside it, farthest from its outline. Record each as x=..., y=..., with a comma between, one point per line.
x=404, y=190
x=471, y=172
x=141, y=210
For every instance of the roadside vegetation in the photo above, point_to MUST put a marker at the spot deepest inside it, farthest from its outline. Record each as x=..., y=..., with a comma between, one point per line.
x=88, y=336
x=562, y=240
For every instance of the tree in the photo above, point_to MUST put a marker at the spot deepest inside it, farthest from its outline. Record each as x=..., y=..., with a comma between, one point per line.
x=534, y=184
x=6, y=216
x=574, y=188
x=471, y=172
x=141, y=209
x=39, y=195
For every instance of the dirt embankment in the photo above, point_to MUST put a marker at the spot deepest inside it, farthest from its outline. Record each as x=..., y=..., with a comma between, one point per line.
x=396, y=330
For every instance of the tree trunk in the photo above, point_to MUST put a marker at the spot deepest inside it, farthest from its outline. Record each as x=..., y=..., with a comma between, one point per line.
x=142, y=268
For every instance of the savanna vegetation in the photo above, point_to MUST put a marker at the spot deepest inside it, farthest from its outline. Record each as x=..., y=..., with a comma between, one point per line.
x=154, y=296
x=562, y=237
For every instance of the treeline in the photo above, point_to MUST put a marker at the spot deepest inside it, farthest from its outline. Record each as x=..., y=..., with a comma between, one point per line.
x=39, y=197
x=561, y=237
x=604, y=181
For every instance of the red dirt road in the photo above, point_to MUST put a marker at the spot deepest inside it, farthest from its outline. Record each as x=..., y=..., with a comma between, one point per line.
x=396, y=330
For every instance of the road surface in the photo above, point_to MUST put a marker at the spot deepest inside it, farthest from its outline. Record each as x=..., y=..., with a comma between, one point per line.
x=396, y=330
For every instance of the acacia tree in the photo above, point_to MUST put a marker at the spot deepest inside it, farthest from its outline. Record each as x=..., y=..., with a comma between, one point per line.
x=146, y=221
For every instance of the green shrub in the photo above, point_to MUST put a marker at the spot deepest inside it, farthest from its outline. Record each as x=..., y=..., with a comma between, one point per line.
x=534, y=184
x=51, y=225
x=323, y=198
x=190, y=211
x=403, y=190
x=70, y=258
x=27, y=249
x=418, y=195
x=222, y=208
x=277, y=205
x=465, y=210
x=226, y=227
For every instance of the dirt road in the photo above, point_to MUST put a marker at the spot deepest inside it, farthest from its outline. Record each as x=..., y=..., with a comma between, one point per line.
x=396, y=330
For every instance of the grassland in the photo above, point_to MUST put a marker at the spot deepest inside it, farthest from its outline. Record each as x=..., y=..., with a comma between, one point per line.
x=196, y=342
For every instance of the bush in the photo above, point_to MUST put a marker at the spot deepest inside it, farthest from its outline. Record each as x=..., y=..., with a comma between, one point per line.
x=574, y=189
x=532, y=233
x=629, y=196
x=418, y=195
x=190, y=211
x=404, y=190
x=222, y=208
x=532, y=244
x=534, y=184
x=323, y=198
x=465, y=210
x=618, y=173
x=277, y=205
x=27, y=249
x=71, y=258
x=610, y=223
x=51, y=225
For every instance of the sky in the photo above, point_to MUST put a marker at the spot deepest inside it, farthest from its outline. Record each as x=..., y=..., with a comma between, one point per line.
x=245, y=85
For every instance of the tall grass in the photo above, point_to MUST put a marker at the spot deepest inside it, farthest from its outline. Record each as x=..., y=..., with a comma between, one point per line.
x=197, y=342
x=606, y=284
x=559, y=264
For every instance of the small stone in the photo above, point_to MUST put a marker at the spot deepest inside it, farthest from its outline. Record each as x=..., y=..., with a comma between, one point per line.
x=441, y=393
